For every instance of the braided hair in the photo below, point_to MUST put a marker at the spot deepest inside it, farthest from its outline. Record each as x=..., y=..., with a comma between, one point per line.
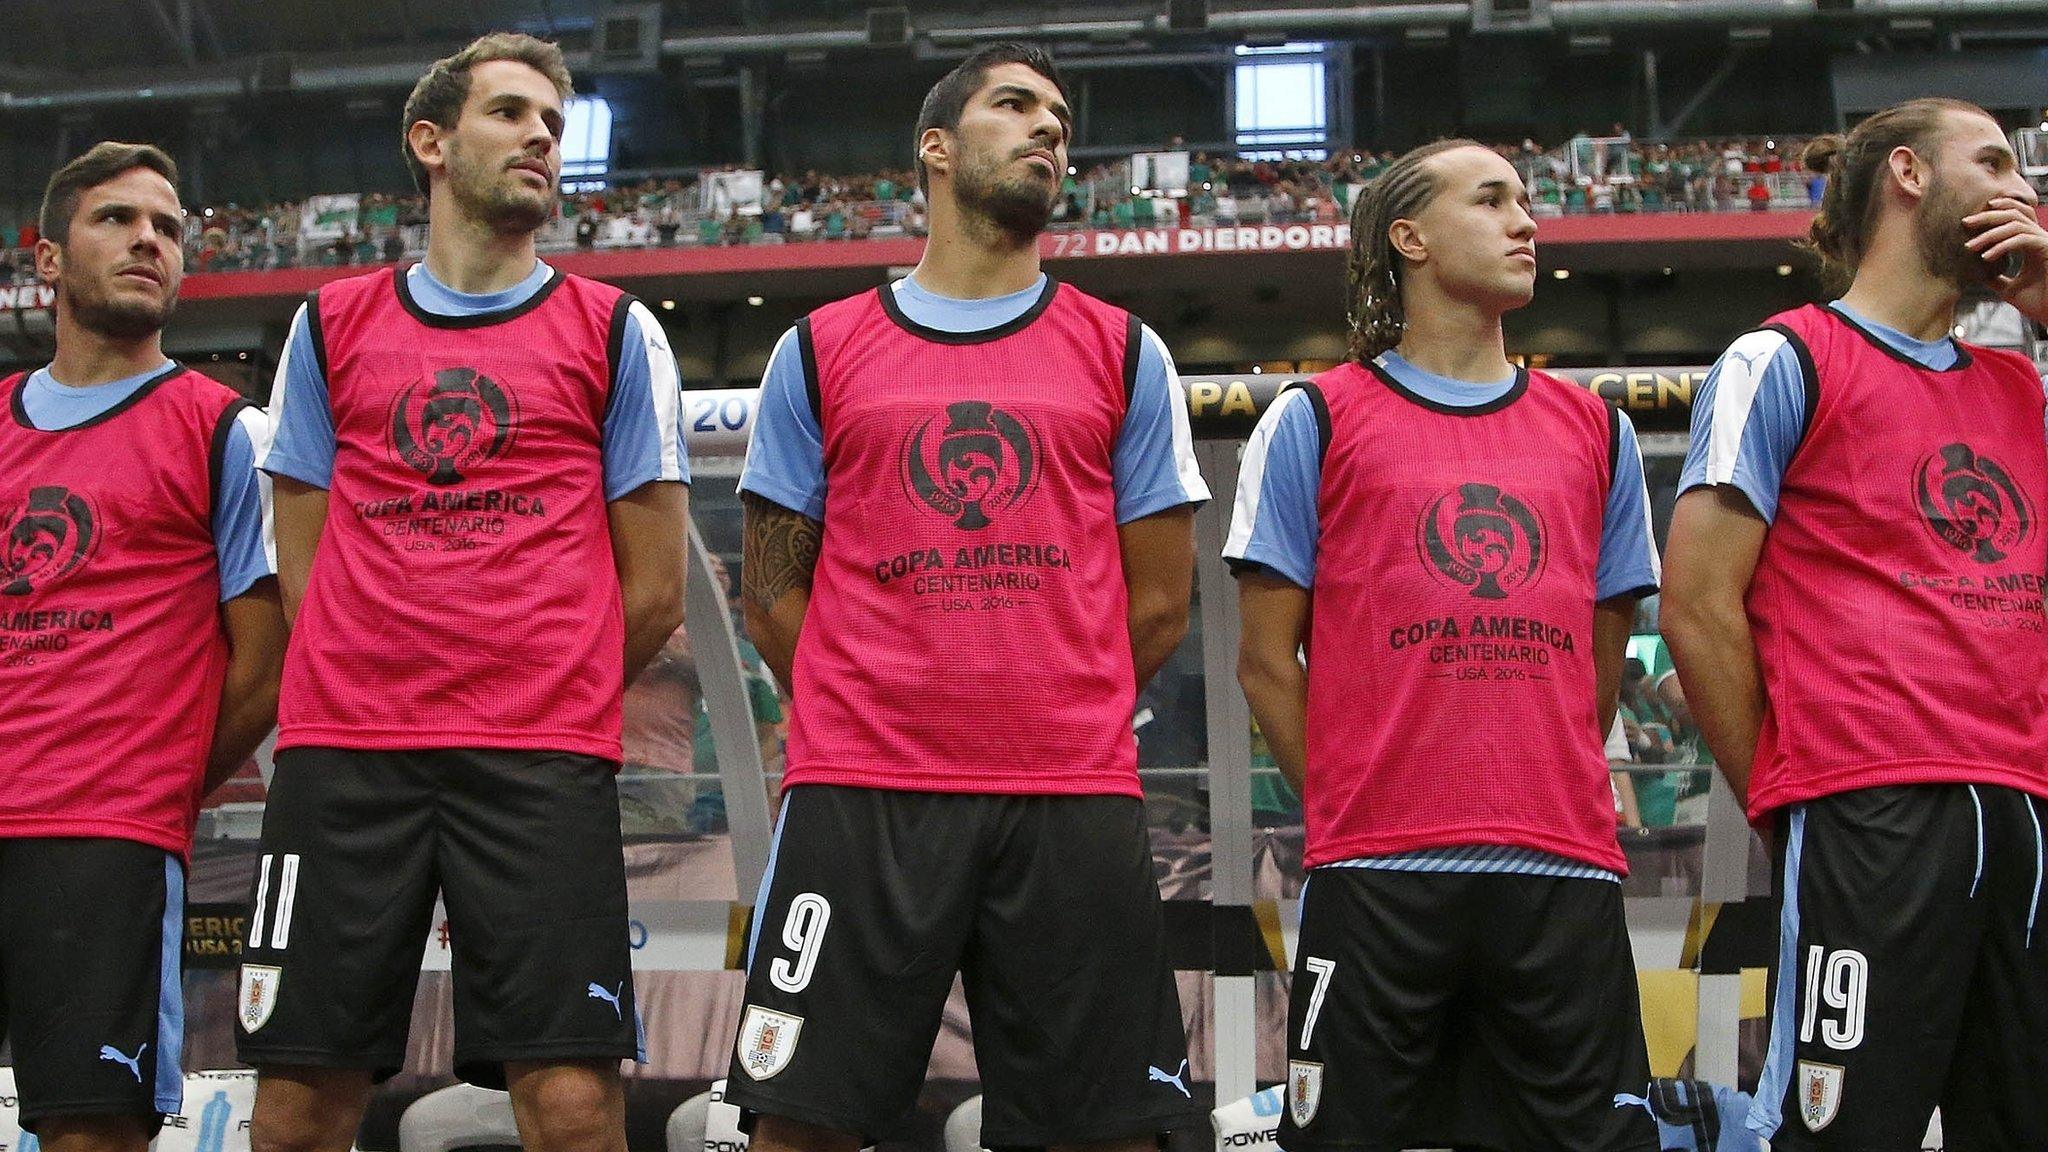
x=1373, y=273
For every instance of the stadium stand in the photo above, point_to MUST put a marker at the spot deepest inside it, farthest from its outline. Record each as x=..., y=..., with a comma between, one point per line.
x=1582, y=176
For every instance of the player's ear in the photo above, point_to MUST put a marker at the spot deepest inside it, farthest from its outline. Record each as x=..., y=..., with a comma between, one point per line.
x=1407, y=240
x=1909, y=169
x=428, y=143
x=935, y=148
x=49, y=258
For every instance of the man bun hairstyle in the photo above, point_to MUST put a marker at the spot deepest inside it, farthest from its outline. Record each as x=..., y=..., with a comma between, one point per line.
x=1856, y=166
x=101, y=163
x=440, y=94
x=947, y=100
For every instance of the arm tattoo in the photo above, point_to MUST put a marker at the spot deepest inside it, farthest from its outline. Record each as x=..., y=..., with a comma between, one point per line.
x=779, y=553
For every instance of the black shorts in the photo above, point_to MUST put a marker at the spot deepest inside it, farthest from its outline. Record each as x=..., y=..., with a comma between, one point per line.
x=524, y=848
x=1471, y=1009
x=1045, y=905
x=89, y=977
x=1912, y=971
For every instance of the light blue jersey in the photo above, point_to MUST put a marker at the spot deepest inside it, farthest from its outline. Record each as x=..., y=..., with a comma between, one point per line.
x=1276, y=524
x=241, y=514
x=1152, y=465
x=1750, y=414
x=642, y=437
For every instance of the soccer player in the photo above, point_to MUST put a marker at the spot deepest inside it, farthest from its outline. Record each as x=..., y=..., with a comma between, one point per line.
x=1458, y=545
x=480, y=521
x=140, y=646
x=1855, y=604
x=968, y=541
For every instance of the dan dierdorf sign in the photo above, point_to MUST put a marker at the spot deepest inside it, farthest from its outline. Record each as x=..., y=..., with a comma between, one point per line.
x=1196, y=241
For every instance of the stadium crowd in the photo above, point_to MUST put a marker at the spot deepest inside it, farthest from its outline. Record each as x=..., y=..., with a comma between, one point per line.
x=1585, y=175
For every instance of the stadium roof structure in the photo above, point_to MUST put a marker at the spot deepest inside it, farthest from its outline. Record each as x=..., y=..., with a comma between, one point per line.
x=58, y=56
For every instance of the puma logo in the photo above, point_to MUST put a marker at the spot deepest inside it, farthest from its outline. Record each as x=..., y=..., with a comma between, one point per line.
x=597, y=992
x=134, y=1063
x=1174, y=1078
x=1748, y=362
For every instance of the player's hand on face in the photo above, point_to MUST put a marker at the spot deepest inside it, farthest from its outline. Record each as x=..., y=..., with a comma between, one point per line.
x=2010, y=228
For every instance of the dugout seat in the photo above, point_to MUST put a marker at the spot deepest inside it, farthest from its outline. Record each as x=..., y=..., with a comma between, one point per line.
x=10, y=1121
x=458, y=1116
x=963, y=1127
x=687, y=1123
x=1251, y=1124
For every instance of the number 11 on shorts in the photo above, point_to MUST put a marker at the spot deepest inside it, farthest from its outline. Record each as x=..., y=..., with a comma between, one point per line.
x=281, y=909
x=1323, y=970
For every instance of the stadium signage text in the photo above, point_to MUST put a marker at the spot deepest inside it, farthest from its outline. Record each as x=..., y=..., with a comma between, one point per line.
x=1656, y=399
x=21, y=297
x=1643, y=389
x=1225, y=407
x=1193, y=241
x=214, y=934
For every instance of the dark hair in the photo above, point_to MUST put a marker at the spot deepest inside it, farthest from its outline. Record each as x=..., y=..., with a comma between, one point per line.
x=948, y=98
x=441, y=93
x=103, y=162
x=1855, y=166
x=1373, y=304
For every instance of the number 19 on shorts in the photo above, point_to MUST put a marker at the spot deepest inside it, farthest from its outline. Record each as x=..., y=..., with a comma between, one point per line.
x=1841, y=979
